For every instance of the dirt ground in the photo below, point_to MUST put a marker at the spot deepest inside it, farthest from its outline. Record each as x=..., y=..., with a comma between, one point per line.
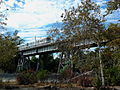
x=51, y=86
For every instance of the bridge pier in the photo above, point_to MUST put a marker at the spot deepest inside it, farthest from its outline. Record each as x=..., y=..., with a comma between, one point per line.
x=20, y=63
x=28, y=58
x=23, y=62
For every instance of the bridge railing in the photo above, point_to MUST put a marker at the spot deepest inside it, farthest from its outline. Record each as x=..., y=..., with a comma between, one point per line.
x=35, y=44
x=47, y=41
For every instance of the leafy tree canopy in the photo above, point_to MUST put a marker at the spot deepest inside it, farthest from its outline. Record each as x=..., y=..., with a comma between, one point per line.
x=113, y=35
x=112, y=5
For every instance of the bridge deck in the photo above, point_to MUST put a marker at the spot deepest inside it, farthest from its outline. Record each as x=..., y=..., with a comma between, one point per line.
x=48, y=46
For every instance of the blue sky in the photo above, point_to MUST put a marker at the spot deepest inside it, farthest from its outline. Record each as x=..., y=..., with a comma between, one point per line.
x=34, y=17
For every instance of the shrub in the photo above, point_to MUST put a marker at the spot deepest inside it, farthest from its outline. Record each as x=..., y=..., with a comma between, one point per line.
x=86, y=81
x=96, y=82
x=41, y=75
x=112, y=76
x=27, y=77
x=66, y=72
x=1, y=71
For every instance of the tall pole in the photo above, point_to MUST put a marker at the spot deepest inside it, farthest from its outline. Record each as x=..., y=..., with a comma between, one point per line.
x=35, y=40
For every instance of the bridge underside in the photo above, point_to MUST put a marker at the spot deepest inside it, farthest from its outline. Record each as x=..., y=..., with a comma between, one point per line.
x=37, y=53
x=39, y=50
x=49, y=48
x=23, y=62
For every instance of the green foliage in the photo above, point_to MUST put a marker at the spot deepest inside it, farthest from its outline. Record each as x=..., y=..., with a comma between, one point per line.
x=46, y=61
x=8, y=50
x=86, y=81
x=89, y=61
x=80, y=24
x=42, y=74
x=112, y=5
x=66, y=72
x=83, y=25
x=113, y=35
x=8, y=43
x=27, y=77
x=96, y=82
x=33, y=63
x=111, y=54
x=1, y=71
x=112, y=76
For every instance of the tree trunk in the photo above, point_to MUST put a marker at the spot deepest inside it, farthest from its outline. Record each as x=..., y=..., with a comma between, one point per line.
x=37, y=66
x=101, y=67
x=60, y=63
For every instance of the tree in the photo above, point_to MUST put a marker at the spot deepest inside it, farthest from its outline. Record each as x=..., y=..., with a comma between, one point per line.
x=112, y=5
x=44, y=62
x=113, y=36
x=8, y=50
x=112, y=50
x=47, y=62
x=8, y=44
x=2, y=17
x=82, y=26
x=112, y=53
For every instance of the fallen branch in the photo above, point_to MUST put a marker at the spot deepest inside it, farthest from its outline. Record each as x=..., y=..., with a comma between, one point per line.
x=86, y=73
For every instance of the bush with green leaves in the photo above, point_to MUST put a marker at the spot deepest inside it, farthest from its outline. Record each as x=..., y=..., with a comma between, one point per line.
x=1, y=71
x=96, y=82
x=27, y=77
x=66, y=72
x=42, y=74
x=112, y=76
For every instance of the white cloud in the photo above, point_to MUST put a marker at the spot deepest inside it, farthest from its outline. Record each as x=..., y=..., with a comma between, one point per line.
x=11, y=2
x=36, y=13
x=32, y=33
x=28, y=34
x=19, y=20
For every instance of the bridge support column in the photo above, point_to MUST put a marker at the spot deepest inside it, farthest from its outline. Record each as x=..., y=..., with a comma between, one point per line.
x=23, y=63
x=20, y=63
x=29, y=67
